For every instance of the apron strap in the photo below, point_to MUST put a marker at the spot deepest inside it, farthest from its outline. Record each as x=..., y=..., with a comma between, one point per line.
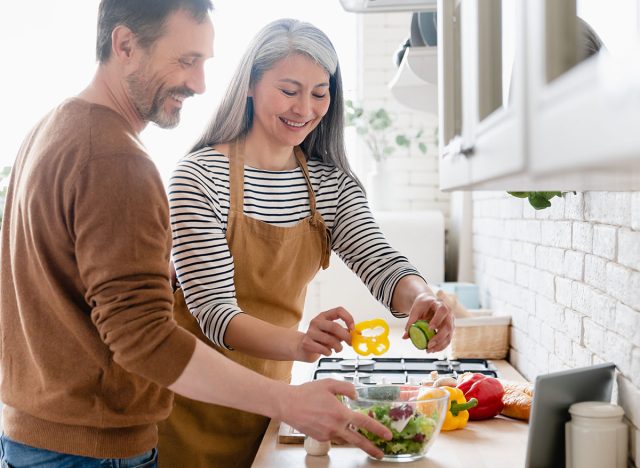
x=236, y=176
x=302, y=162
x=316, y=218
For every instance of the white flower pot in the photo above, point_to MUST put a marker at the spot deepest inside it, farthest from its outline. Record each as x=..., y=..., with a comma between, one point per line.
x=384, y=183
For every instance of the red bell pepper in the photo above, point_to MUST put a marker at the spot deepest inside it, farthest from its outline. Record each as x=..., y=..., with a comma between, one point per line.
x=488, y=391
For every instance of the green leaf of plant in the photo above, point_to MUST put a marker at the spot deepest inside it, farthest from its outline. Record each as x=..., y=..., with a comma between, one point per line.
x=402, y=140
x=378, y=129
x=380, y=120
x=549, y=195
x=538, y=201
x=519, y=194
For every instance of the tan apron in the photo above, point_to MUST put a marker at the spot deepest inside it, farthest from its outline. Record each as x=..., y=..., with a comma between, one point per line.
x=273, y=266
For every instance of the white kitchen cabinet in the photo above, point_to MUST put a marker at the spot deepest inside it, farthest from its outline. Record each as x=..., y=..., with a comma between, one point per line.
x=481, y=99
x=520, y=110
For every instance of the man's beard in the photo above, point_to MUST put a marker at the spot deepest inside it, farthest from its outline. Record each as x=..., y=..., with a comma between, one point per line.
x=150, y=104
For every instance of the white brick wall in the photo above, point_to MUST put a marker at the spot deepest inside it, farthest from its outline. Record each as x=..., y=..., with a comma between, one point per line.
x=415, y=176
x=571, y=282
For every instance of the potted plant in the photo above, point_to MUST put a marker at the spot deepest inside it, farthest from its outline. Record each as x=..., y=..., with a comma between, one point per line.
x=384, y=138
x=377, y=129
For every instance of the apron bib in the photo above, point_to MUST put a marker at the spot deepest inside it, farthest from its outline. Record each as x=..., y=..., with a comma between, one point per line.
x=273, y=266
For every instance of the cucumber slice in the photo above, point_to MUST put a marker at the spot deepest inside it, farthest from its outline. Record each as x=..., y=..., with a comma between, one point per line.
x=424, y=326
x=418, y=337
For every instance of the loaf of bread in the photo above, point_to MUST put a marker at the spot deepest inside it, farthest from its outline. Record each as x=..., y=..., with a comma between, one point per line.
x=517, y=399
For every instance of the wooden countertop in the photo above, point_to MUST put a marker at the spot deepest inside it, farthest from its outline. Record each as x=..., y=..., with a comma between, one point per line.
x=495, y=443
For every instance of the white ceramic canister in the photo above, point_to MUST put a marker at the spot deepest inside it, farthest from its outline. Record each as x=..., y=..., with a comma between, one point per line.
x=596, y=437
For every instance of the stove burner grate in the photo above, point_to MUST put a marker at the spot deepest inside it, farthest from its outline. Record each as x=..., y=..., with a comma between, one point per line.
x=397, y=370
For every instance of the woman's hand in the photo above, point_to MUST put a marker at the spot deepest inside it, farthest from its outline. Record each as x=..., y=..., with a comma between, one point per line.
x=325, y=335
x=427, y=307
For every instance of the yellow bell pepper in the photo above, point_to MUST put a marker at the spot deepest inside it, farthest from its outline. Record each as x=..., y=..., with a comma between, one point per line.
x=367, y=343
x=457, y=414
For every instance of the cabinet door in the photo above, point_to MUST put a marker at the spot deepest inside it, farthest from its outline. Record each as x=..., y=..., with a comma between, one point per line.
x=482, y=100
x=454, y=164
x=585, y=99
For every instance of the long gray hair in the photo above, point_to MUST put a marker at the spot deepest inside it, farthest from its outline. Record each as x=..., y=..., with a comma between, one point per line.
x=276, y=41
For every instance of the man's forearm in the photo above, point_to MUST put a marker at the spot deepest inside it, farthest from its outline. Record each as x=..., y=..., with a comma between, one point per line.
x=312, y=408
x=212, y=378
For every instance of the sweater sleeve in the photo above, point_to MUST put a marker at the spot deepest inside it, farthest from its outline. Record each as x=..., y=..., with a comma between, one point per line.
x=120, y=225
x=201, y=255
x=360, y=243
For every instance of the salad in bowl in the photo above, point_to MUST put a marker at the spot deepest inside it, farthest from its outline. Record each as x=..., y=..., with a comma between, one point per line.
x=414, y=414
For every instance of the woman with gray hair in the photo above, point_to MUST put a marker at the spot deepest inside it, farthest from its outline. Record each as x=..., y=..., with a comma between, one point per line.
x=256, y=209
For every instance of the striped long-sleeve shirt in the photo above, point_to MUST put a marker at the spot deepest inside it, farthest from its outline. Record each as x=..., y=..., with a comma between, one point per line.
x=199, y=201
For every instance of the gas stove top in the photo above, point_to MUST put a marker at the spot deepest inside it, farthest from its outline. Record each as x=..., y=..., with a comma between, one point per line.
x=397, y=370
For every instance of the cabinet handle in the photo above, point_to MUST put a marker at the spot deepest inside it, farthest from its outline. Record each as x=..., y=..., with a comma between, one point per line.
x=467, y=151
x=456, y=148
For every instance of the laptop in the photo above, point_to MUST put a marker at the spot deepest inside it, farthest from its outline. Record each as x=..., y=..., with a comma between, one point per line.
x=553, y=394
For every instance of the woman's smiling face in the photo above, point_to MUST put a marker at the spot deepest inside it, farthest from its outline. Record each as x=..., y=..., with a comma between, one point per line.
x=289, y=100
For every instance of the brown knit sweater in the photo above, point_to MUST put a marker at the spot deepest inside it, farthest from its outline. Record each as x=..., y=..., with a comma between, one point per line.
x=88, y=341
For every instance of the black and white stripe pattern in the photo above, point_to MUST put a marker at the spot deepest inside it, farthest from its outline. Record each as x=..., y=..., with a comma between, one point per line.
x=199, y=200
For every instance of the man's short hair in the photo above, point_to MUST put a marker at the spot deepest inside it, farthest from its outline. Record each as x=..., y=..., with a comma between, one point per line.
x=146, y=18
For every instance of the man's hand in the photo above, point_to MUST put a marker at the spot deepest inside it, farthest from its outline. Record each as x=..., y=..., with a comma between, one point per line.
x=427, y=307
x=314, y=410
x=325, y=335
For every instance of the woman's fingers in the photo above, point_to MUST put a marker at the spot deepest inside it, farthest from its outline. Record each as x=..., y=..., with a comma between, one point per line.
x=310, y=346
x=442, y=321
x=325, y=339
x=327, y=321
x=342, y=314
x=324, y=329
x=439, y=316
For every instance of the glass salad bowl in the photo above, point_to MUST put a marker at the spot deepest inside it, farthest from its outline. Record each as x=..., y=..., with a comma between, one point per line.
x=414, y=415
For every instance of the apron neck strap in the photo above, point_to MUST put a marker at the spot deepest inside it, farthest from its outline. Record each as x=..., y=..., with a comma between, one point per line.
x=236, y=175
x=302, y=162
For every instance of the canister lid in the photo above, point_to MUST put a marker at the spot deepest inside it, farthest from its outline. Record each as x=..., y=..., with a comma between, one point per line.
x=596, y=409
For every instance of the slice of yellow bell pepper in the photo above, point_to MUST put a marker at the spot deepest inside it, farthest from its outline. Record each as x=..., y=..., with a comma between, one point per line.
x=364, y=342
x=457, y=414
